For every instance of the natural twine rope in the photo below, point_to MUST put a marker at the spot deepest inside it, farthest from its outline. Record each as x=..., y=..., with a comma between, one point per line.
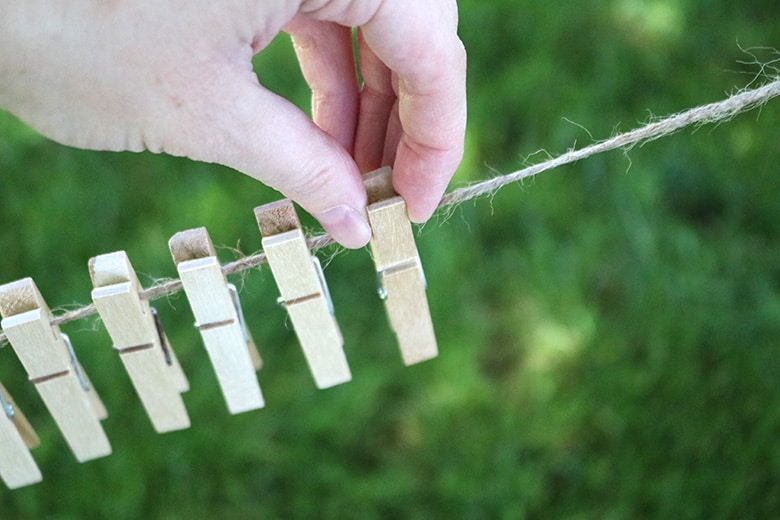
x=712, y=113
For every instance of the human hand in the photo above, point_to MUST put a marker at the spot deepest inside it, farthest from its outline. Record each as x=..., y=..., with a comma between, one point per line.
x=176, y=77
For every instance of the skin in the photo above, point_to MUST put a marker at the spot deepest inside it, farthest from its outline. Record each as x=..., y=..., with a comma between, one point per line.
x=175, y=76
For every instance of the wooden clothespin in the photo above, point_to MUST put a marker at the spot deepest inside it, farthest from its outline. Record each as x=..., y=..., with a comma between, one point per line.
x=219, y=319
x=304, y=292
x=400, y=274
x=51, y=365
x=138, y=337
x=17, y=438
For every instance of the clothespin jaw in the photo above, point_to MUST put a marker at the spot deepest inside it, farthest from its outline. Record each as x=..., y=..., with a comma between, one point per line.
x=51, y=365
x=304, y=292
x=219, y=318
x=17, y=438
x=399, y=270
x=138, y=337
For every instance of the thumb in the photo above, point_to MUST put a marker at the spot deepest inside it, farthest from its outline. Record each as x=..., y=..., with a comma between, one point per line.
x=240, y=124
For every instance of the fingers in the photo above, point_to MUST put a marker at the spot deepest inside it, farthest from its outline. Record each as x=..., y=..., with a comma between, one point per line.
x=326, y=57
x=377, y=99
x=412, y=111
x=418, y=42
x=239, y=124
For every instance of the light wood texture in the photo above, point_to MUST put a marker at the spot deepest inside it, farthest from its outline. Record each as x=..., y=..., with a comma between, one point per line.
x=409, y=315
x=303, y=293
x=131, y=325
x=379, y=185
x=399, y=269
x=207, y=291
x=24, y=427
x=321, y=342
x=392, y=242
x=230, y=347
x=44, y=354
x=277, y=217
x=126, y=316
x=17, y=466
x=157, y=390
x=65, y=399
x=191, y=245
x=233, y=365
x=291, y=265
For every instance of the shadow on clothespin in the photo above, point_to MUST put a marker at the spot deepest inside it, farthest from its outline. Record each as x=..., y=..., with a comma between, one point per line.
x=51, y=364
x=304, y=292
x=17, y=438
x=138, y=337
x=219, y=318
x=399, y=270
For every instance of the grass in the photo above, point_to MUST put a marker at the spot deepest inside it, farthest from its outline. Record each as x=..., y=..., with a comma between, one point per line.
x=608, y=331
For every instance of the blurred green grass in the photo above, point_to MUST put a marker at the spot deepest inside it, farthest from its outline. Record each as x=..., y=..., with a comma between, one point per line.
x=608, y=331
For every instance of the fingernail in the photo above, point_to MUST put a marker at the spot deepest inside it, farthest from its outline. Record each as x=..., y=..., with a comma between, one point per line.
x=345, y=225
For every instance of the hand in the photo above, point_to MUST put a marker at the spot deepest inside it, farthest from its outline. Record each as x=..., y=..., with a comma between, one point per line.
x=176, y=77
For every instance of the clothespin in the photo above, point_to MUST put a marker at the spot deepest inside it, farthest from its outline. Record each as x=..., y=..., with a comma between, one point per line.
x=219, y=318
x=304, y=292
x=399, y=270
x=17, y=438
x=51, y=364
x=138, y=337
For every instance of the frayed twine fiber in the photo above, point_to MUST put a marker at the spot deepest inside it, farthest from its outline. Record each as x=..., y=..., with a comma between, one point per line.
x=717, y=112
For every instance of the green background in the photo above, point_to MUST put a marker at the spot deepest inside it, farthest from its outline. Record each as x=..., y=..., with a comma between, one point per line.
x=609, y=332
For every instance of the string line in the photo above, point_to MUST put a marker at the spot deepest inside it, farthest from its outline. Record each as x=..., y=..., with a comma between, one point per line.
x=716, y=112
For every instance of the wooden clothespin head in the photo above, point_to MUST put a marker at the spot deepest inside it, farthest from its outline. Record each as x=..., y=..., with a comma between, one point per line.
x=219, y=318
x=138, y=338
x=17, y=438
x=304, y=292
x=399, y=270
x=51, y=365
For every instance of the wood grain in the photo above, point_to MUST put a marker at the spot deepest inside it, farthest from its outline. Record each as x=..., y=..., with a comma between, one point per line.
x=133, y=331
x=17, y=466
x=399, y=269
x=303, y=293
x=43, y=353
x=230, y=347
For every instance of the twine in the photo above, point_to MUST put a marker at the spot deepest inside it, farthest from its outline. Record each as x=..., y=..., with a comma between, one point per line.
x=717, y=112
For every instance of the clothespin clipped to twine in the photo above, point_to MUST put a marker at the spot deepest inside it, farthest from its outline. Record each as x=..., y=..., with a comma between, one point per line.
x=304, y=292
x=219, y=318
x=139, y=339
x=17, y=438
x=51, y=364
x=400, y=274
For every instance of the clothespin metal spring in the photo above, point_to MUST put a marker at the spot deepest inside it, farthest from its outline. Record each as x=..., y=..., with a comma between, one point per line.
x=6, y=406
x=76, y=365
